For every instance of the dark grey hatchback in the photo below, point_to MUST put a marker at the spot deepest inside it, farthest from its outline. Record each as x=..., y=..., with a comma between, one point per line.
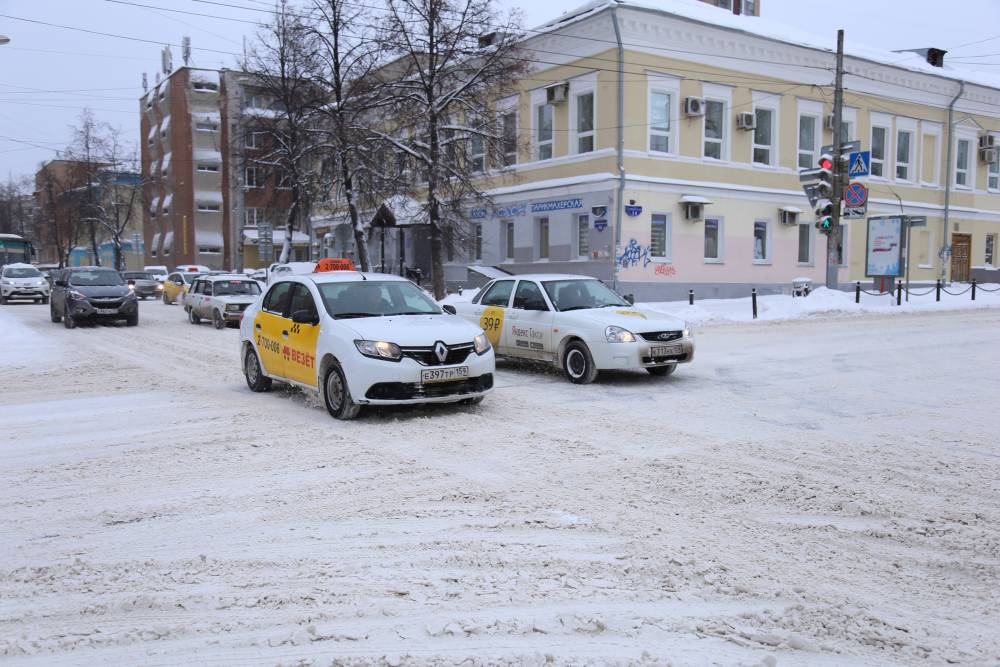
x=92, y=293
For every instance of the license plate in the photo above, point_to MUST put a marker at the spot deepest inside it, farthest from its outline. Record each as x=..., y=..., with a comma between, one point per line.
x=107, y=311
x=665, y=350
x=444, y=374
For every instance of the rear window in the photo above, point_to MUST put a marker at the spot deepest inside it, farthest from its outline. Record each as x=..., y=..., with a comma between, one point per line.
x=224, y=287
x=138, y=275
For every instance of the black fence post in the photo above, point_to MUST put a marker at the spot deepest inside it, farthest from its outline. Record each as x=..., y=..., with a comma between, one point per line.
x=899, y=292
x=974, y=289
x=690, y=297
x=857, y=292
x=937, y=290
x=753, y=299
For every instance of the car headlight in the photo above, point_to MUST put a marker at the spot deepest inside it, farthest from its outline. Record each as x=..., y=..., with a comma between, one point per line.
x=232, y=307
x=482, y=344
x=687, y=333
x=618, y=335
x=159, y=285
x=131, y=287
x=379, y=349
x=73, y=294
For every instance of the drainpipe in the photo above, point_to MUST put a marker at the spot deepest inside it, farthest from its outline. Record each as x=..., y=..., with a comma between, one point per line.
x=948, y=175
x=620, y=203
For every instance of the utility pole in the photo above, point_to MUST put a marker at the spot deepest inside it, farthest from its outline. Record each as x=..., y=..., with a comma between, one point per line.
x=833, y=239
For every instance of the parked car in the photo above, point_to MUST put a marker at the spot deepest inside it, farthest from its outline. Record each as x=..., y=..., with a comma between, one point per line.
x=192, y=268
x=92, y=293
x=220, y=298
x=47, y=270
x=158, y=270
x=578, y=324
x=23, y=281
x=143, y=283
x=176, y=285
x=363, y=339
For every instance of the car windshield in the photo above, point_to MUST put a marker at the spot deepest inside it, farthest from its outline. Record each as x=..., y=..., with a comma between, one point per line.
x=374, y=298
x=138, y=275
x=580, y=294
x=26, y=272
x=224, y=287
x=96, y=278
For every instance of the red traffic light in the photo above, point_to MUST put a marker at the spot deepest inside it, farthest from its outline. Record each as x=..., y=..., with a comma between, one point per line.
x=825, y=163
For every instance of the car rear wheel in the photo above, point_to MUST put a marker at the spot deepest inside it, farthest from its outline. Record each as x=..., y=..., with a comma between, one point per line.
x=68, y=320
x=218, y=321
x=337, y=395
x=578, y=365
x=256, y=379
x=662, y=371
x=192, y=318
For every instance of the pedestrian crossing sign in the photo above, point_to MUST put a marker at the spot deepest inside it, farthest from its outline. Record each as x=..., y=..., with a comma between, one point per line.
x=859, y=163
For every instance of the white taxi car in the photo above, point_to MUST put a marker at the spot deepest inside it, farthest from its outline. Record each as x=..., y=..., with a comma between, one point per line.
x=576, y=323
x=220, y=298
x=363, y=339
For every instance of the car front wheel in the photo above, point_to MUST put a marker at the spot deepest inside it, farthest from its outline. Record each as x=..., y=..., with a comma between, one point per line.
x=256, y=379
x=662, y=371
x=166, y=300
x=132, y=321
x=68, y=320
x=337, y=396
x=578, y=365
x=53, y=315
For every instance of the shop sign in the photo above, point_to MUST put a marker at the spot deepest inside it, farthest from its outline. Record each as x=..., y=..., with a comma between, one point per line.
x=558, y=205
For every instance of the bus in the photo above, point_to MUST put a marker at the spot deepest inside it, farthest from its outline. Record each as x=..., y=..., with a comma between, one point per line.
x=14, y=249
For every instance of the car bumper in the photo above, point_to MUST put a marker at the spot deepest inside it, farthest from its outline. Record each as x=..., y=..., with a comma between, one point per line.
x=399, y=383
x=609, y=356
x=86, y=309
x=147, y=291
x=16, y=292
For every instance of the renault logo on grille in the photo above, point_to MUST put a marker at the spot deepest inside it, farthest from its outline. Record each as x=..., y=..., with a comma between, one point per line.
x=440, y=351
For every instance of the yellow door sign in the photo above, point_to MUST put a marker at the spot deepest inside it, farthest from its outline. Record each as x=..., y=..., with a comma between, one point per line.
x=491, y=321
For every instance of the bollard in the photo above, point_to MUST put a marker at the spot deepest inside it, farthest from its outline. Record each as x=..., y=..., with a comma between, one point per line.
x=899, y=292
x=974, y=289
x=937, y=290
x=690, y=297
x=857, y=292
x=753, y=299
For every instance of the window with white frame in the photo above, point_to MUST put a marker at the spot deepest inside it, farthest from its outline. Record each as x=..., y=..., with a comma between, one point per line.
x=542, y=234
x=713, y=239
x=585, y=122
x=253, y=217
x=807, y=141
x=477, y=242
x=659, y=121
x=543, y=131
x=761, y=241
x=805, y=244
x=253, y=139
x=714, y=129
x=583, y=235
x=205, y=207
x=659, y=236
x=993, y=176
x=508, y=239
x=254, y=177
x=962, y=166
x=763, y=136
x=991, y=250
x=880, y=137
x=508, y=123
x=477, y=152
x=904, y=155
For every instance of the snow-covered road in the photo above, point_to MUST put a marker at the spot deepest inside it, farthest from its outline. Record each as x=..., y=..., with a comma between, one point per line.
x=822, y=492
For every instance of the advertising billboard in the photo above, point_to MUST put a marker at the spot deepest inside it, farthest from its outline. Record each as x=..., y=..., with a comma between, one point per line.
x=885, y=245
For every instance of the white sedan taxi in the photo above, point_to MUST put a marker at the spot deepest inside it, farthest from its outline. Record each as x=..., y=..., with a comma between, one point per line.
x=363, y=339
x=578, y=324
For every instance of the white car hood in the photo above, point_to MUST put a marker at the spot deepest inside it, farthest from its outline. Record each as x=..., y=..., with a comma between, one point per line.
x=414, y=330
x=635, y=320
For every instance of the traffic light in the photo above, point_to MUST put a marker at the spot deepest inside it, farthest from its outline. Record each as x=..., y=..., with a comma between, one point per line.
x=824, y=188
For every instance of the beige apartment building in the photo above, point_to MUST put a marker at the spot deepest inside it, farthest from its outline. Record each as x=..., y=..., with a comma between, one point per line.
x=660, y=149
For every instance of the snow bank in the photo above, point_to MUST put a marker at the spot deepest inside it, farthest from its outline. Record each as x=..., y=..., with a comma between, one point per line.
x=466, y=296
x=20, y=347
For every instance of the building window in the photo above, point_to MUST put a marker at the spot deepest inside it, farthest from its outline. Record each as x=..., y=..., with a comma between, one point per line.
x=878, y=151
x=543, y=131
x=543, y=238
x=210, y=250
x=991, y=249
x=805, y=244
x=583, y=235
x=846, y=131
x=208, y=167
x=253, y=139
x=254, y=178
x=750, y=7
x=509, y=240
x=206, y=127
x=585, y=122
x=993, y=176
x=807, y=142
x=659, y=236
x=659, y=122
x=209, y=208
x=962, y=163
x=763, y=136
x=713, y=240
x=904, y=154
x=253, y=217
x=204, y=86
x=509, y=129
x=256, y=101
x=761, y=251
x=477, y=153
x=477, y=242
x=714, y=128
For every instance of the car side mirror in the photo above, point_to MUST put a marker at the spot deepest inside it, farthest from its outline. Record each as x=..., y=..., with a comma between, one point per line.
x=304, y=317
x=60, y=283
x=450, y=309
x=630, y=298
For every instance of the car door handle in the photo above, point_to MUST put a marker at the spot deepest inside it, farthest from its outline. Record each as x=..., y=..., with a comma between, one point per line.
x=257, y=327
x=513, y=314
x=284, y=333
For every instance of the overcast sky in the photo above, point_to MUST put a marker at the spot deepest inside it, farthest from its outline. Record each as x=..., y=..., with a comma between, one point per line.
x=47, y=74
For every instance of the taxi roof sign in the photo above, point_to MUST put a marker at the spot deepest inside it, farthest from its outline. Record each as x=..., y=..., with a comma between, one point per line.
x=334, y=264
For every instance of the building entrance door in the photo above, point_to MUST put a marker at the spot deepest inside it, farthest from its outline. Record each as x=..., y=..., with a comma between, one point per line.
x=961, y=254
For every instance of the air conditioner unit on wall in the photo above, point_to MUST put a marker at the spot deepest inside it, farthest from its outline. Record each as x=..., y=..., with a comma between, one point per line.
x=789, y=217
x=746, y=120
x=989, y=155
x=988, y=141
x=830, y=122
x=694, y=106
x=693, y=211
x=556, y=94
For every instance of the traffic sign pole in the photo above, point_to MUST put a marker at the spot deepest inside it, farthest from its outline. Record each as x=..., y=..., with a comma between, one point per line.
x=833, y=239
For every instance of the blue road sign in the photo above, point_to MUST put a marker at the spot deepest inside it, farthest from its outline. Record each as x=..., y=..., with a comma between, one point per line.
x=859, y=164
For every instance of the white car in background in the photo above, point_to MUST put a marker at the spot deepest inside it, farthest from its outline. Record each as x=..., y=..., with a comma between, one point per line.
x=277, y=271
x=576, y=323
x=363, y=339
x=23, y=281
x=220, y=298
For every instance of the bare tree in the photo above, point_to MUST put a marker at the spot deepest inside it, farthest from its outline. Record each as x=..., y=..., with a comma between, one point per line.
x=87, y=150
x=283, y=61
x=58, y=220
x=458, y=63
x=15, y=213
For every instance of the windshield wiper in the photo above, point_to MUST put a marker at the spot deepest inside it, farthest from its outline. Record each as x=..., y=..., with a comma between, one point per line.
x=347, y=316
x=410, y=312
x=566, y=310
